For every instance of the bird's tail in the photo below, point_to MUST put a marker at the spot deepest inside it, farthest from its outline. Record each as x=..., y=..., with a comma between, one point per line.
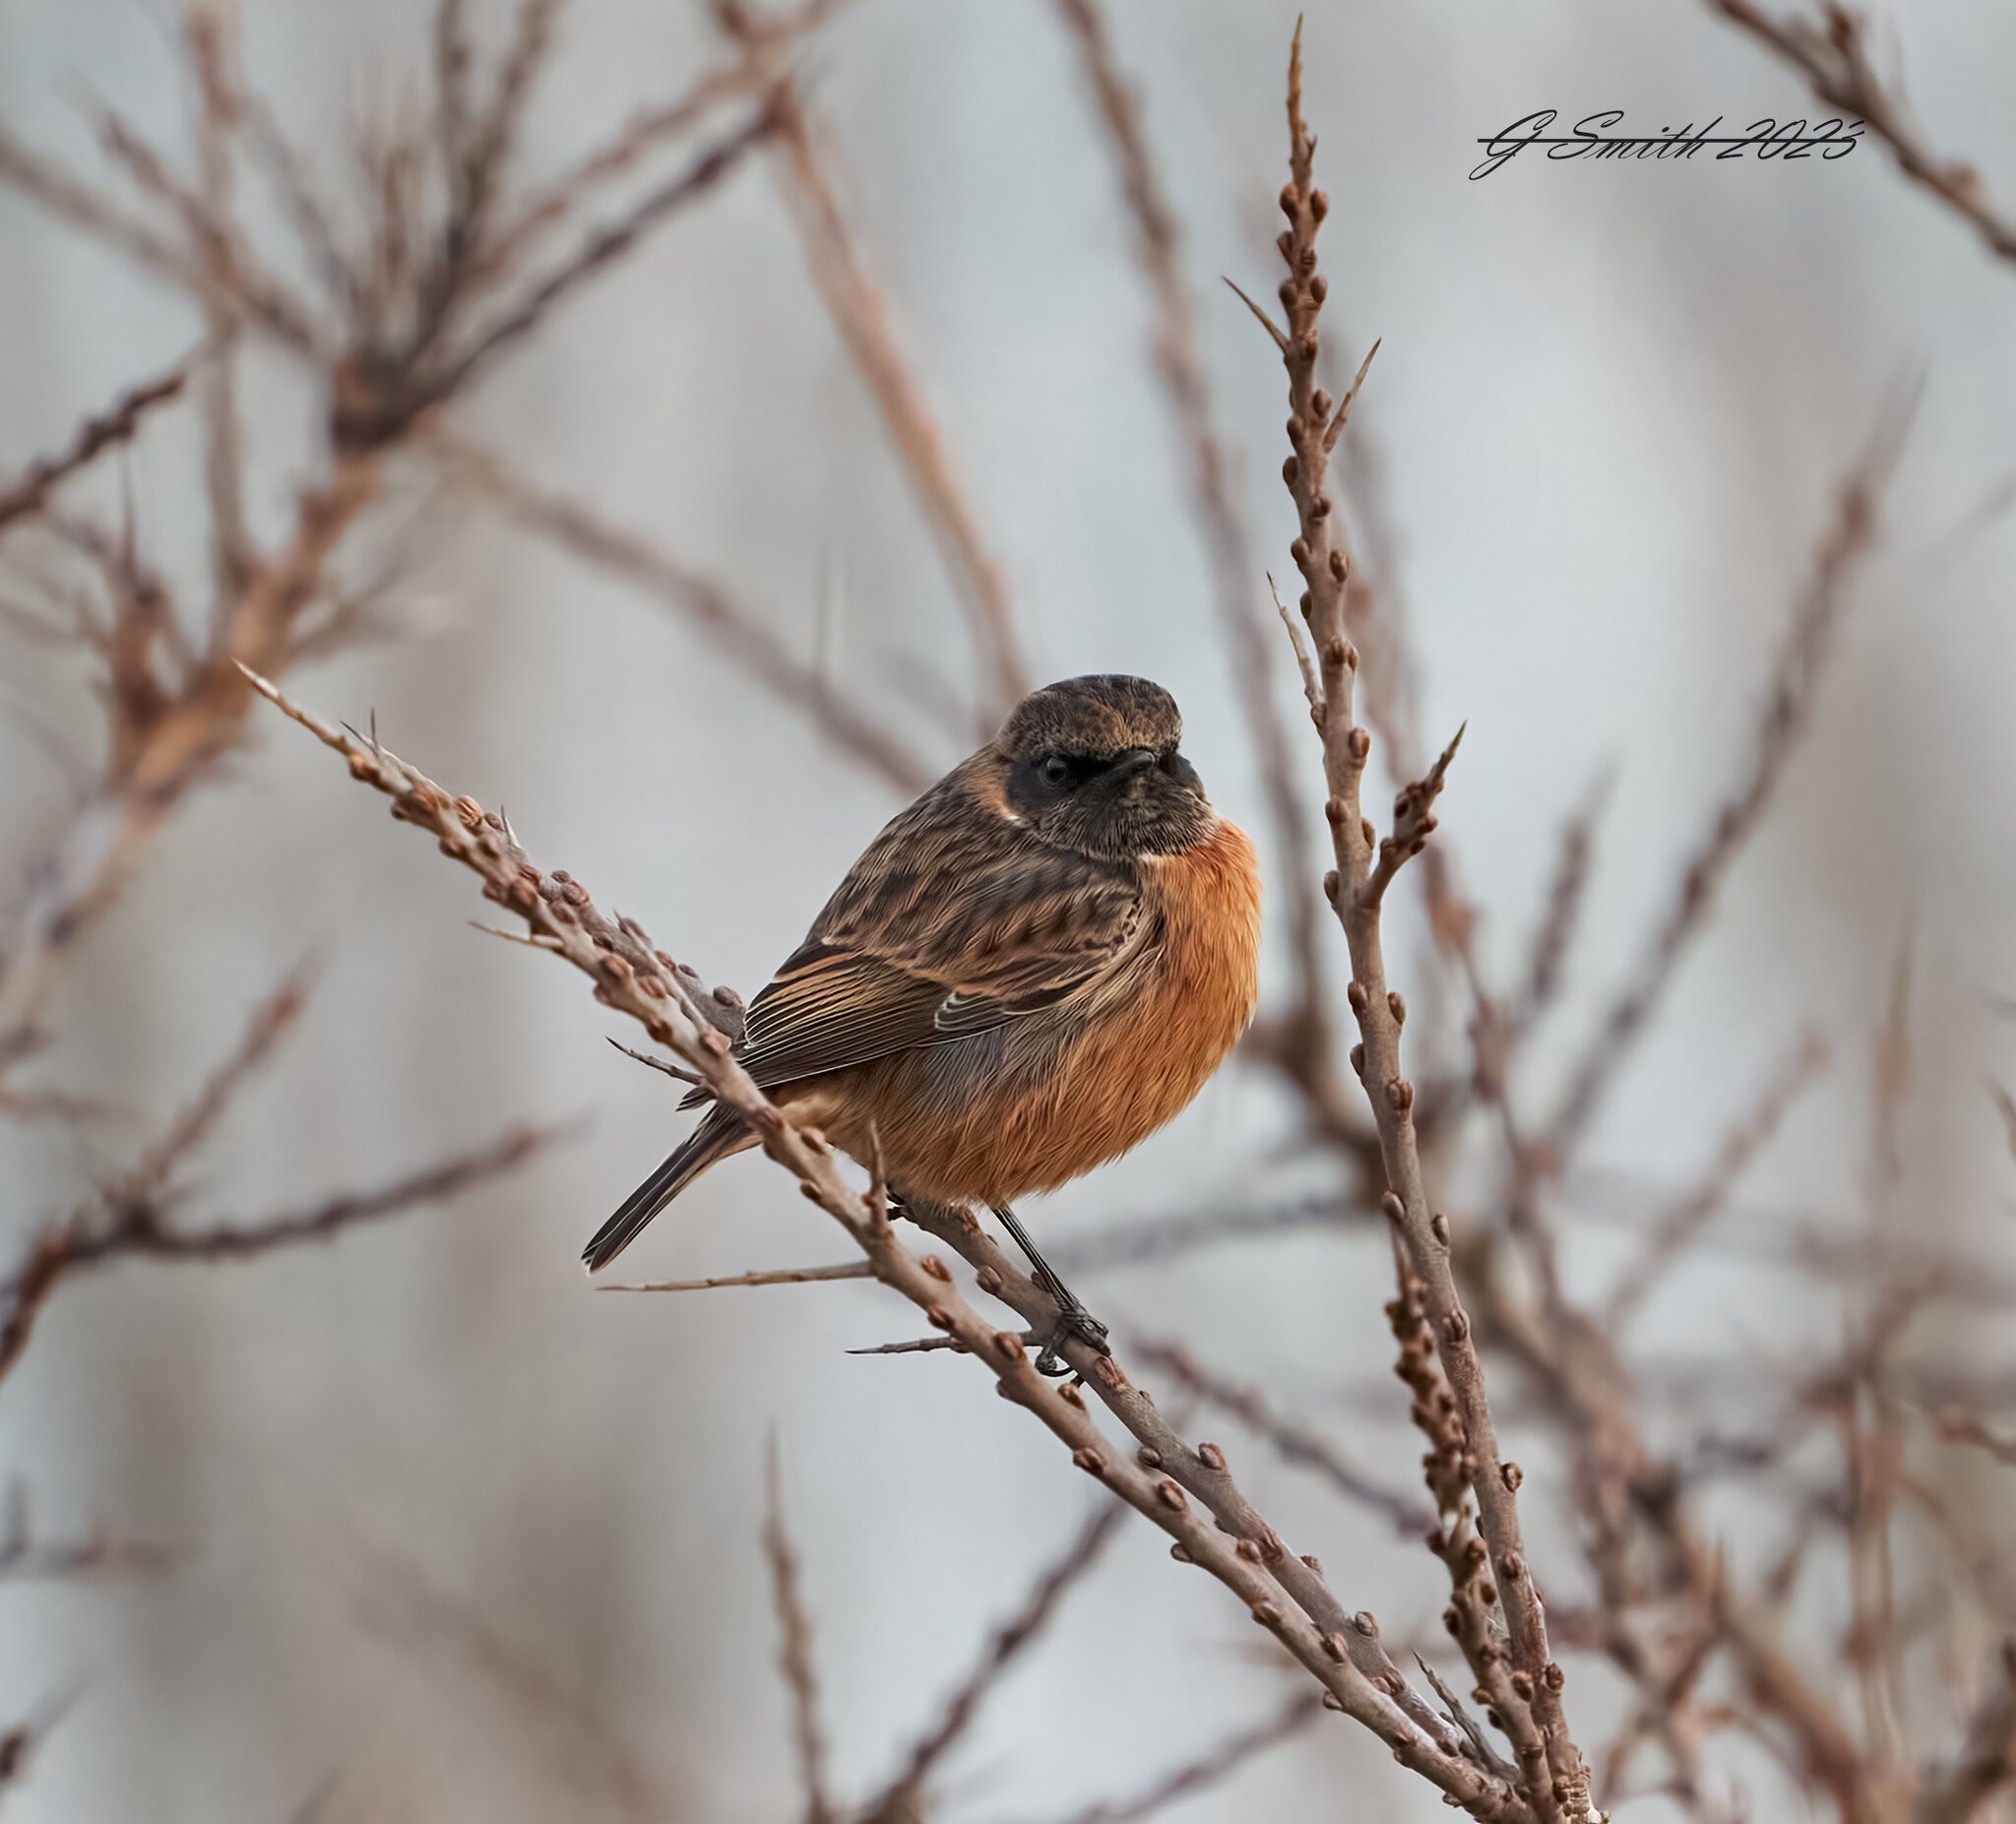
x=721, y=1133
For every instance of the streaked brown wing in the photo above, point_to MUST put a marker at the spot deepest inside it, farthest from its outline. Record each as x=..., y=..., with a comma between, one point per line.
x=830, y=1008
x=954, y=921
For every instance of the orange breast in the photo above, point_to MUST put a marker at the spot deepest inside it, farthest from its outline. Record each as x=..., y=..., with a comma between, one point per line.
x=1058, y=1095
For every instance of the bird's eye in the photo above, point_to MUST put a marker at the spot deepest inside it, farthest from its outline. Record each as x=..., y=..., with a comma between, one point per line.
x=1055, y=769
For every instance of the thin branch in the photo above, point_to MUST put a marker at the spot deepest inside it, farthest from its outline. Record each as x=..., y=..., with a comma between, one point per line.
x=135, y=1231
x=445, y=1635
x=1212, y=1767
x=604, y=248
x=1267, y=323
x=861, y=314
x=24, y=1558
x=19, y=1743
x=1833, y=56
x=1291, y=1442
x=539, y=943
x=800, y=1674
x=271, y=310
x=1956, y=1428
x=1548, y=957
x=209, y=36
x=2005, y=1107
x=116, y=425
x=899, y=1798
x=929, y=1346
x=1306, y=660
x=1523, y=1681
x=1677, y=1230
x=663, y=1065
x=164, y=741
x=747, y=72
x=1787, y=715
x=1986, y=1762
x=703, y=602
x=775, y=1276
x=1145, y=1240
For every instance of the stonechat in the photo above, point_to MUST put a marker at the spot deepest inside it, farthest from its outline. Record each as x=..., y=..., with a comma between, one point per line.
x=1030, y=971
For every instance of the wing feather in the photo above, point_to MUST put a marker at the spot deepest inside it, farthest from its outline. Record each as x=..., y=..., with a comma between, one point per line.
x=954, y=922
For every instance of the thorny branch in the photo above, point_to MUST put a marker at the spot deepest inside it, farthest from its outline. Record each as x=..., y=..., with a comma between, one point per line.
x=1522, y=1680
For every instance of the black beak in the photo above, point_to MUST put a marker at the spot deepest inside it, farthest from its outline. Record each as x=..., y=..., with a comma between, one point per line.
x=1134, y=760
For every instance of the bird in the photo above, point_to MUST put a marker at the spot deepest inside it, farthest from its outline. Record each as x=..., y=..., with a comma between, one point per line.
x=1030, y=969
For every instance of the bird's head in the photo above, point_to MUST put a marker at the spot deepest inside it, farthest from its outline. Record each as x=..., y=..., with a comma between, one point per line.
x=1092, y=765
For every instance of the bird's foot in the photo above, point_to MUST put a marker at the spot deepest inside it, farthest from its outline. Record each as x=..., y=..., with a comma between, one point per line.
x=1075, y=1324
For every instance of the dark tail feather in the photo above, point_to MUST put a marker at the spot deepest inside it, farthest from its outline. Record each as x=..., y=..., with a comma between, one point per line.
x=721, y=1133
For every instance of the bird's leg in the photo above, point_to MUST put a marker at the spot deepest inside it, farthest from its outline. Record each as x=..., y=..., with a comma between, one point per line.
x=1073, y=1319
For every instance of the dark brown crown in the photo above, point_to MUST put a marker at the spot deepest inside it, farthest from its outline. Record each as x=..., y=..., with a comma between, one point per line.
x=1094, y=717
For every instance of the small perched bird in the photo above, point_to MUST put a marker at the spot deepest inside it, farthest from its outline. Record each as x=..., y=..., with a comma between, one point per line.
x=1030, y=971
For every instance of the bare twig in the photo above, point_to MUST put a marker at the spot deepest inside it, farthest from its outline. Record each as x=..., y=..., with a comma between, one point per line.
x=1293, y=1442
x=441, y=1631
x=162, y=739
x=135, y=1230
x=861, y=316
x=1556, y=930
x=1681, y=1224
x=25, y=1558
x=800, y=1674
x=776, y=1276
x=602, y=249
x=1956, y=1428
x=744, y=74
x=1956, y=1794
x=1212, y=1767
x=209, y=38
x=117, y=424
x=927, y=1345
x=2005, y=1107
x=1788, y=712
x=1833, y=56
x=899, y=1798
x=703, y=602
x=1144, y=1240
x=18, y=1744
x=1524, y=1682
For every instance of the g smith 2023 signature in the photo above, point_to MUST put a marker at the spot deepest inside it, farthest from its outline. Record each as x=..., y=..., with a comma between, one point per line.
x=1595, y=136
